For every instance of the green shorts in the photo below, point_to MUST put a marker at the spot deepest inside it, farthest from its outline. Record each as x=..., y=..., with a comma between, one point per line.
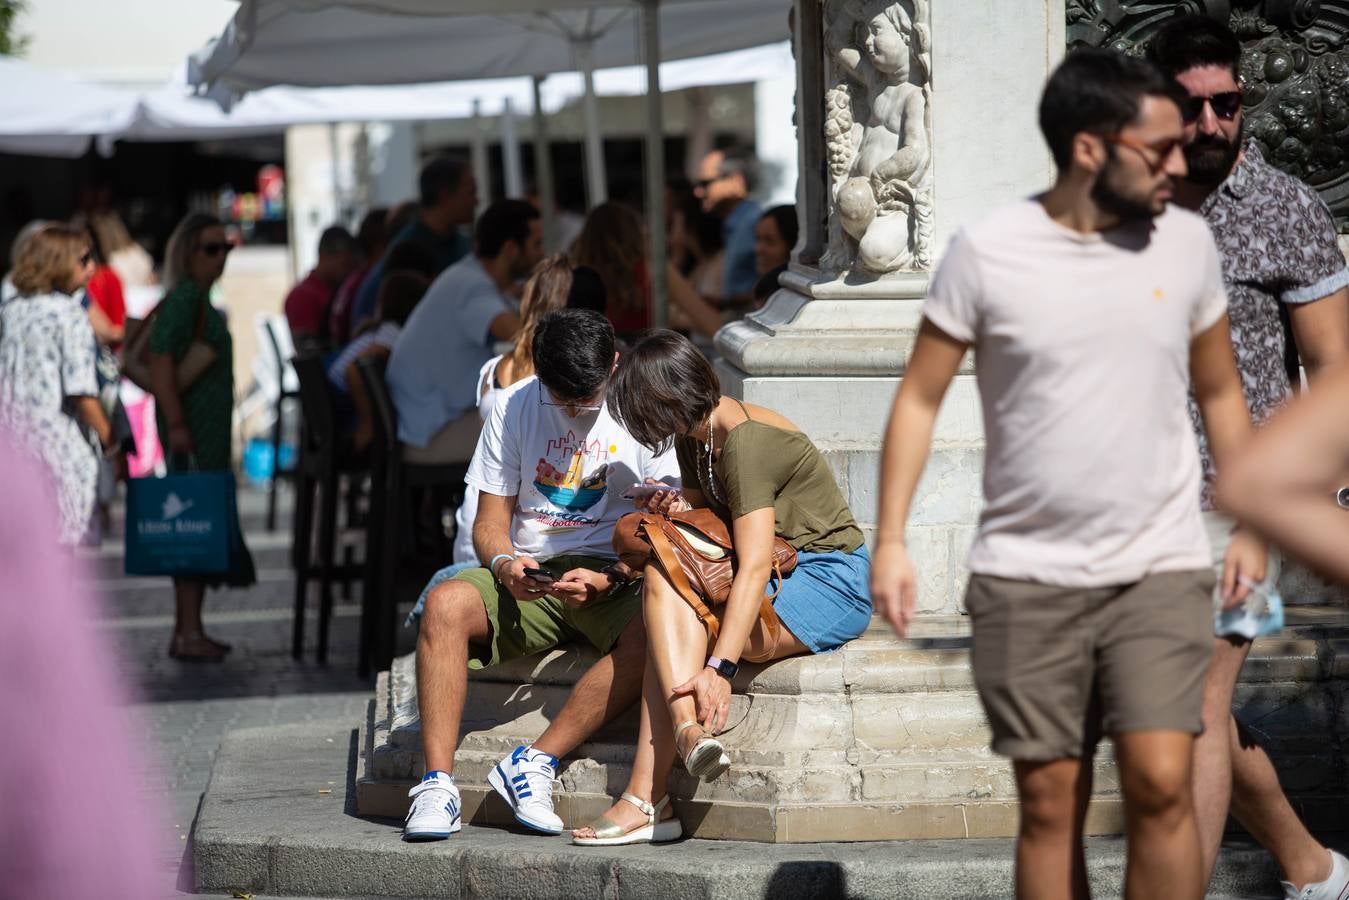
x=525, y=627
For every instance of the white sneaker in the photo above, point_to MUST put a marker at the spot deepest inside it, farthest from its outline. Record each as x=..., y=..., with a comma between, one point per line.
x=525, y=780
x=1336, y=887
x=434, y=815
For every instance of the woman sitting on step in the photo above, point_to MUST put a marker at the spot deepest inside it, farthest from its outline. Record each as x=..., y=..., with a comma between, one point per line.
x=765, y=478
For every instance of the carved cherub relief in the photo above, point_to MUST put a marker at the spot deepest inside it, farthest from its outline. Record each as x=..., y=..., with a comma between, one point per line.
x=878, y=136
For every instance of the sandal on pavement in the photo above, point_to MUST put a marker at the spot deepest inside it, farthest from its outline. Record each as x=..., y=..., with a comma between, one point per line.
x=655, y=831
x=706, y=758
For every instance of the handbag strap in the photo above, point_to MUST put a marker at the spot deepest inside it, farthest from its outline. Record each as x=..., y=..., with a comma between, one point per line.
x=674, y=570
x=669, y=561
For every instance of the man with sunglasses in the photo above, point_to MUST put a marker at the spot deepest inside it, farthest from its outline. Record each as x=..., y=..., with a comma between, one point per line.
x=551, y=469
x=1090, y=308
x=725, y=179
x=1279, y=257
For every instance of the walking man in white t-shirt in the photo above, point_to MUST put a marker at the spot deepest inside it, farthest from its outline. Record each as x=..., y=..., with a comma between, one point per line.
x=1090, y=309
x=550, y=468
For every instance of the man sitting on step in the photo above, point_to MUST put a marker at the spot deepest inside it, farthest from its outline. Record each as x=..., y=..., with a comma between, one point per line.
x=550, y=466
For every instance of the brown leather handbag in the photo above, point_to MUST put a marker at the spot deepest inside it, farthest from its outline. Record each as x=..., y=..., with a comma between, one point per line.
x=199, y=357
x=694, y=550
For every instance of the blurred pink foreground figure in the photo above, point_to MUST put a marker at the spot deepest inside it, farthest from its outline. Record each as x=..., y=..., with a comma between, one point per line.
x=73, y=822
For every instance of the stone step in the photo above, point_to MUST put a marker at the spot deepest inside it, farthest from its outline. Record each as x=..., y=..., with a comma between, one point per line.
x=891, y=726
x=266, y=826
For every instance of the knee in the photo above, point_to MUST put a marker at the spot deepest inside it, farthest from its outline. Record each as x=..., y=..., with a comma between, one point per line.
x=1047, y=809
x=1159, y=789
x=447, y=610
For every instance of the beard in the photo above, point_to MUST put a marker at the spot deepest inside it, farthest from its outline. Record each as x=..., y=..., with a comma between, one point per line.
x=1209, y=159
x=1126, y=206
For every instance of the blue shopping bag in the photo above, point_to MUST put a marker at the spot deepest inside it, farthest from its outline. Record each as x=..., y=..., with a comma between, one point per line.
x=180, y=524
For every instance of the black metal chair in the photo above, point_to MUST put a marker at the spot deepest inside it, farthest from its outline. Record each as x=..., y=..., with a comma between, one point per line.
x=392, y=479
x=324, y=459
x=283, y=393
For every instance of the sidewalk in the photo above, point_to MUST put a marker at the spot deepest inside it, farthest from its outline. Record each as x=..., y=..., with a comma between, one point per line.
x=185, y=708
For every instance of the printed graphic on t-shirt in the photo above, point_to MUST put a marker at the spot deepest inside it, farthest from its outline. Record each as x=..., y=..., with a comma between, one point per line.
x=573, y=476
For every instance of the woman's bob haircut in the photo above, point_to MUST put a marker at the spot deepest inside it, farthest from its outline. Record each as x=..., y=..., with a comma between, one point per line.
x=663, y=386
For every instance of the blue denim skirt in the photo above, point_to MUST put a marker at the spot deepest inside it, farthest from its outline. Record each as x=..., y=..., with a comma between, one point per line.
x=826, y=600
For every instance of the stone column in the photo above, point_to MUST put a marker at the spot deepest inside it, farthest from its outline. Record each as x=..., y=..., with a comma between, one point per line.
x=912, y=118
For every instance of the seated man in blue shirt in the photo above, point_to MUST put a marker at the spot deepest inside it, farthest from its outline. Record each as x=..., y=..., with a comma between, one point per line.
x=725, y=179
x=433, y=370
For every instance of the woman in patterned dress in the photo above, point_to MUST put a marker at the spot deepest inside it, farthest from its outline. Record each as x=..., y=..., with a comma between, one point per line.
x=194, y=420
x=48, y=387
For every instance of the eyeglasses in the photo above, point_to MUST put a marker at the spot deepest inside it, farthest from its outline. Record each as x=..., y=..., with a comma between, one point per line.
x=215, y=249
x=1225, y=106
x=702, y=183
x=575, y=407
x=1162, y=152
x=86, y=258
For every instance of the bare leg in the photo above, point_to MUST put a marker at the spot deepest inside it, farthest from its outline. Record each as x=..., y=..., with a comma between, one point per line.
x=677, y=646
x=609, y=687
x=652, y=762
x=1164, y=856
x=189, y=640
x=187, y=596
x=1050, y=860
x=1212, y=750
x=454, y=616
x=1259, y=804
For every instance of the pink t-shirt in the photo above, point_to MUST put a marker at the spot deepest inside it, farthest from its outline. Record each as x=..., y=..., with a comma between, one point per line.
x=1082, y=350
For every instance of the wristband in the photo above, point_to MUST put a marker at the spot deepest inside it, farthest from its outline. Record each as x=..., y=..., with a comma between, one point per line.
x=492, y=566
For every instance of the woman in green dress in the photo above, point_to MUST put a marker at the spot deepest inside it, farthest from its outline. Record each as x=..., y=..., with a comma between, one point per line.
x=194, y=420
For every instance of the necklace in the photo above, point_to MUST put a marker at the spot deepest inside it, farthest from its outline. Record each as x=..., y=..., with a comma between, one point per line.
x=711, y=476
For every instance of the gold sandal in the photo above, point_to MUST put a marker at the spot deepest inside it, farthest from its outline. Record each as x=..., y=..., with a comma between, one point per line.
x=706, y=758
x=655, y=831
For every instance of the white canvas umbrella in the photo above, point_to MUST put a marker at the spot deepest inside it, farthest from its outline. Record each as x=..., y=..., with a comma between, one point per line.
x=47, y=114
x=325, y=42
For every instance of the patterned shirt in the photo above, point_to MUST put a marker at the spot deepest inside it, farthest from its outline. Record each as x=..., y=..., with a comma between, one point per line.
x=1278, y=245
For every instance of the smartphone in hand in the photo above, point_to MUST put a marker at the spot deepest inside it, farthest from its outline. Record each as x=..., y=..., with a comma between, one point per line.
x=543, y=576
x=645, y=491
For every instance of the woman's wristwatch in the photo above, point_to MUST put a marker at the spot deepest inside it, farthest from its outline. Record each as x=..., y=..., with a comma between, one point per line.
x=724, y=667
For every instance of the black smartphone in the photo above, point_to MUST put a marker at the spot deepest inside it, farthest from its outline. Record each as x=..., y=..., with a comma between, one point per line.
x=541, y=575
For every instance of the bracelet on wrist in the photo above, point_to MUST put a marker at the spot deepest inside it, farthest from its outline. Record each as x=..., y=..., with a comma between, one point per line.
x=492, y=566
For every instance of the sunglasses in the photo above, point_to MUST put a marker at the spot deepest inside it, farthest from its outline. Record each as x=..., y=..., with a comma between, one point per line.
x=86, y=258
x=1146, y=151
x=1225, y=106
x=215, y=249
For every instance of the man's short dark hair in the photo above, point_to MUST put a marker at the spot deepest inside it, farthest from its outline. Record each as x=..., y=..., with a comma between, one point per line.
x=736, y=160
x=1098, y=91
x=336, y=239
x=1188, y=41
x=504, y=220
x=573, y=352
x=444, y=173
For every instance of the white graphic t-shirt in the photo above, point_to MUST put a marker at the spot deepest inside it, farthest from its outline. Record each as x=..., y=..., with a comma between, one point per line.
x=567, y=474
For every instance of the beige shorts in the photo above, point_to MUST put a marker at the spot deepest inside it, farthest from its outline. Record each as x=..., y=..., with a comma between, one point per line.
x=1057, y=667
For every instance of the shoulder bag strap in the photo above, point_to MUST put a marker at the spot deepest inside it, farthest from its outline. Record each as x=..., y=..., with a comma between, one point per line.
x=674, y=570
x=201, y=319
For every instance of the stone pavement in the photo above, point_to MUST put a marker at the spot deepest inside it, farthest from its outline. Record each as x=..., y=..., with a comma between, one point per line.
x=184, y=709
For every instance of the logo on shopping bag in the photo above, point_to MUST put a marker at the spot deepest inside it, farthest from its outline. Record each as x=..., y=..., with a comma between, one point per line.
x=172, y=520
x=175, y=507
